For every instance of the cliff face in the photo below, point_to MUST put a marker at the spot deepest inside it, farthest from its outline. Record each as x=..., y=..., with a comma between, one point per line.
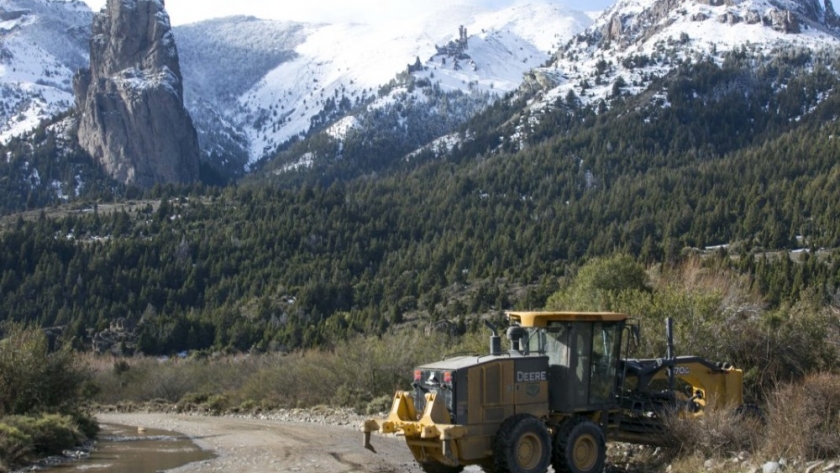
x=130, y=102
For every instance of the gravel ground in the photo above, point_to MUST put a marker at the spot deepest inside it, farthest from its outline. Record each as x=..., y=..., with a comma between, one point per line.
x=284, y=441
x=329, y=441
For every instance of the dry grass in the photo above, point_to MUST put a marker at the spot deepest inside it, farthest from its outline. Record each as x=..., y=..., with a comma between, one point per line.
x=804, y=419
x=722, y=433
x=356, y=374
x=801, y=423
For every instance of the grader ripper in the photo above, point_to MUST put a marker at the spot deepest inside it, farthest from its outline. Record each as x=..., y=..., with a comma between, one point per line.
x=554, y=399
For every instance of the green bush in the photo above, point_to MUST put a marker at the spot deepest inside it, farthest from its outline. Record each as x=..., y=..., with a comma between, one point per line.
x=194, y=398
x=248, y=406
x=598, y=282
x=35, y=379
x=347, y=396
x=86, y=423
x=49, y=434
x=15, y=446
x=218, y=403
x=379, y=405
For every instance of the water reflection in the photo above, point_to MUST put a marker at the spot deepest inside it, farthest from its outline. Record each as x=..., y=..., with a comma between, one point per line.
x=123, y=449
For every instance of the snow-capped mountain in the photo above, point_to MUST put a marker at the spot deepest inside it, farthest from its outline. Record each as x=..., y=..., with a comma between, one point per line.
x=636, y=41
x=42, y=44
x=261, y=83
x=252, y=85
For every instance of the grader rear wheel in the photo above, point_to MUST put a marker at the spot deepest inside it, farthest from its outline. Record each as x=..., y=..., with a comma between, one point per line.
x=579, y=447
x=522, y=445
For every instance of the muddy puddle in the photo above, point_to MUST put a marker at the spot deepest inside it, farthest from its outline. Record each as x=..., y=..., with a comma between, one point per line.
x=122, y=449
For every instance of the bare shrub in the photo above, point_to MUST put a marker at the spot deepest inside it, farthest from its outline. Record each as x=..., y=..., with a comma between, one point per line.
x=351, y=375
x=716, y=434
x=804, y=419
x=146, y=379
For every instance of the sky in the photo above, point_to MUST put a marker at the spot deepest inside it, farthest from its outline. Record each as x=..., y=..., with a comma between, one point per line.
x=329, y=11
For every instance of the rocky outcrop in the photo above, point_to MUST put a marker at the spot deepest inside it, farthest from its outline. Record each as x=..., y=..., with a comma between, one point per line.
x=790, y=17
x=716, y=3
x=6, y=15
x=130, y=102
x=783, y=21
x=752, y=17
x=730, y=18
x=538, y=79
x=614, y=29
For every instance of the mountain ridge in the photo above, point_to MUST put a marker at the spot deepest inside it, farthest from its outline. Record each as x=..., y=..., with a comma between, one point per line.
x=297, y=79
x=635, y=42
x=251, y=84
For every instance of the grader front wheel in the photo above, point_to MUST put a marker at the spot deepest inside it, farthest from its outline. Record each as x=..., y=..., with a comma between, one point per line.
x=522, y=445
x=579, y=447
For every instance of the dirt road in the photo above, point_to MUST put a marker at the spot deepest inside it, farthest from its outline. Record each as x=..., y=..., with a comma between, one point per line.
x=262, y=446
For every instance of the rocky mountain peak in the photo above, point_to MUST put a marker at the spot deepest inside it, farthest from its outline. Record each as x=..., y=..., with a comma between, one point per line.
x=633, y=21
x=133, y=34
x=130, y=102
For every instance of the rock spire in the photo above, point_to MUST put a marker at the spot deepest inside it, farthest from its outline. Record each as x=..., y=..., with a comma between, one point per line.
x=130, y=102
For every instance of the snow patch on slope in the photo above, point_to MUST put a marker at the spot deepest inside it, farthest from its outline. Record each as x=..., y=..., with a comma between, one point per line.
x=340, y=128
x=353, y=61
x=43, y=44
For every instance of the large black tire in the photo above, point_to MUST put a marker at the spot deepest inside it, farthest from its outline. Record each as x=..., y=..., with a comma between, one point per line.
x=522, y=445
x=579, y=447
x=435, y=467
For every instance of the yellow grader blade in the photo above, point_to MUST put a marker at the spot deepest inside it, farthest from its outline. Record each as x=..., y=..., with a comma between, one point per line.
x=428, y=435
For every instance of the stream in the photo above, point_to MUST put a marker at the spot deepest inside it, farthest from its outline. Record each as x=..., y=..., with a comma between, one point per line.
x=123, y=449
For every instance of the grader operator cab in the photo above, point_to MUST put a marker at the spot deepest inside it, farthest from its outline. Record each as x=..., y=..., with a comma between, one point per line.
x=554, y=398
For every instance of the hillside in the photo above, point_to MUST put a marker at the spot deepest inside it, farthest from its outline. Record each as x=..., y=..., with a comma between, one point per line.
x=469, y=234
x=356, y=229
x=296, y=79
x=43, y=45
x=635, y=42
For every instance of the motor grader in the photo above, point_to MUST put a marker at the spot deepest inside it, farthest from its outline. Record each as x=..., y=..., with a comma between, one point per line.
x=555, y=398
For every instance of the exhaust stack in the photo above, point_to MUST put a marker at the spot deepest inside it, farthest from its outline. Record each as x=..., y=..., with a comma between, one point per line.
x=495, y=339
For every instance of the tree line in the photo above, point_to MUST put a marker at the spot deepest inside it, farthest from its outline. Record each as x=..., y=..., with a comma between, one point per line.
x=494, y=225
